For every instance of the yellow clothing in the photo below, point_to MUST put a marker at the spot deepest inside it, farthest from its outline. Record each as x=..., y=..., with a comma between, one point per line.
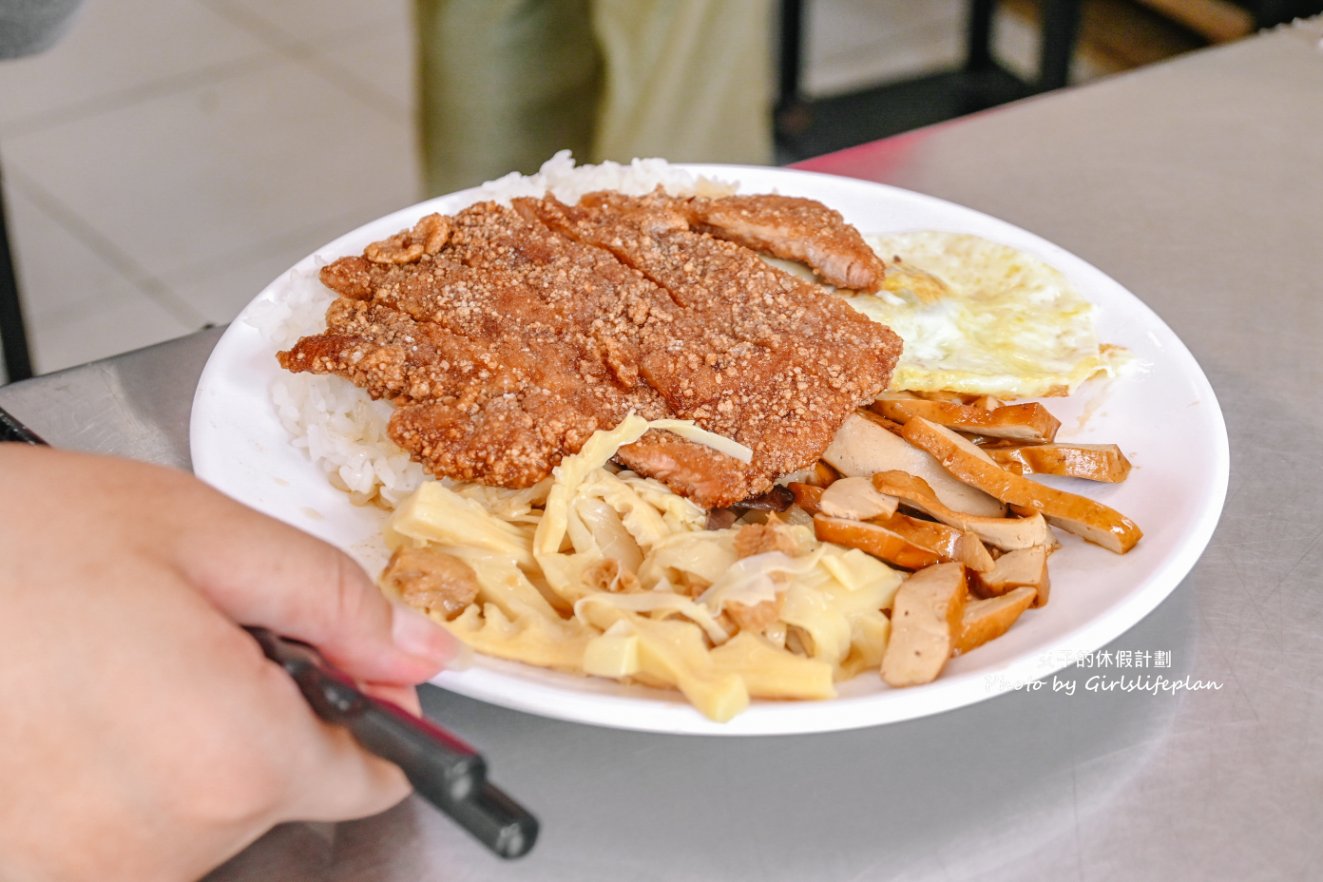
x=504, y=84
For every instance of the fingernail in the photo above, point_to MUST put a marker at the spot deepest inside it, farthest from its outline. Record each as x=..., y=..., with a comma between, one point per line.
x=419, y=636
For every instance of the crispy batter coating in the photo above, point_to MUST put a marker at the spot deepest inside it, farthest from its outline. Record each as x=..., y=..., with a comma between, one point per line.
x=770, y=361
x=797, y=229
x=507, y=335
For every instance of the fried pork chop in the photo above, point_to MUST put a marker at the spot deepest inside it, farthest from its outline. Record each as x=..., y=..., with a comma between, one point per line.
x=506, y=336
x=797, y=229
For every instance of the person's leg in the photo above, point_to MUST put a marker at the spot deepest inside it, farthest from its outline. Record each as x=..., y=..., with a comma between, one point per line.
x=31, y=26
x=503, y=84
x=686, y=80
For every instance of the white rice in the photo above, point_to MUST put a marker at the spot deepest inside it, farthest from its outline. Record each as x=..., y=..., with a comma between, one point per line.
x=568, y=182
x=339, y=427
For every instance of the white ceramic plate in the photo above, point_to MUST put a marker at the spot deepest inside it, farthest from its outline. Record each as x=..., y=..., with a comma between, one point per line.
x=1164, y=417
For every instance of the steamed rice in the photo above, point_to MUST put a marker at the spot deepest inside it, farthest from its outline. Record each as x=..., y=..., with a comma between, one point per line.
x=343, y=431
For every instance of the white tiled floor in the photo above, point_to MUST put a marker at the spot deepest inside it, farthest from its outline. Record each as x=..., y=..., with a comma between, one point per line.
x=169, y=157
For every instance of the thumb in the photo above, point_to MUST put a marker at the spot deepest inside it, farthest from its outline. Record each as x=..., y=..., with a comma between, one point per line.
x=263, y=572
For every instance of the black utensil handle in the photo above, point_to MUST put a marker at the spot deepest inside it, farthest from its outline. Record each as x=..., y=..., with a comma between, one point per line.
x=13, y=430
x=442, y=768
x=496, y=820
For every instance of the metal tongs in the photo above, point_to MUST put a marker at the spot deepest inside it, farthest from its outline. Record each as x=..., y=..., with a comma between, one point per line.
x=443, y=769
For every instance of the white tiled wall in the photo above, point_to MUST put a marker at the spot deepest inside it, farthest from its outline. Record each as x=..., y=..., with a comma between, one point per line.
x=168, y=158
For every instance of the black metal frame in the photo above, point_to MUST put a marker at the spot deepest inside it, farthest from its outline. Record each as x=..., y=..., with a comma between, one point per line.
x=13, y=330
x=980, y=82
x=1059, y=29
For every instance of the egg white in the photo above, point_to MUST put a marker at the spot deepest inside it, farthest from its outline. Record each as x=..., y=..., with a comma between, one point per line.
x=981, y=318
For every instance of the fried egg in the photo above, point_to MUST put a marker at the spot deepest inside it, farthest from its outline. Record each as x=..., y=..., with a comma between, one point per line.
x=981, y=318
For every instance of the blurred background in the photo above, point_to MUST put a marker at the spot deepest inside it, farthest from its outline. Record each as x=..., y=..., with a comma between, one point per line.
x=166, y=159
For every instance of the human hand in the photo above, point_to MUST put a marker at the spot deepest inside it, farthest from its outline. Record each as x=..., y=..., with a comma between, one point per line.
x=146, y=736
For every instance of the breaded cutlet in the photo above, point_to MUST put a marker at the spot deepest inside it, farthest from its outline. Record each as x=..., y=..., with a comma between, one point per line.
x=506, y=336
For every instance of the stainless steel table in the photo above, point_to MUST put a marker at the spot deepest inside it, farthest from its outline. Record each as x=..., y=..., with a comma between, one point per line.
x=1199, y=185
